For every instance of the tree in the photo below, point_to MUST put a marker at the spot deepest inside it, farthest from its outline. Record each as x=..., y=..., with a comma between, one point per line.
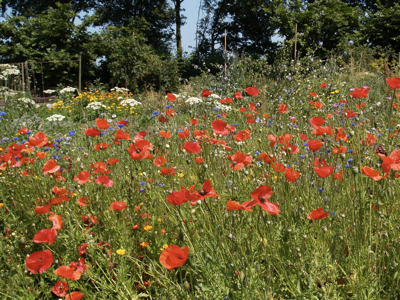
x=153, y=18
x=178, y=24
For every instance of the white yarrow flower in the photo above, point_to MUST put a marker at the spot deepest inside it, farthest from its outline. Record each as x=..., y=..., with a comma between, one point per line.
x=95, y=105
x=120, y=90
x=55, y=118
x=68, y=89
x=26, y=100
x=49, y=91
x=130, y=102
x=193, y=100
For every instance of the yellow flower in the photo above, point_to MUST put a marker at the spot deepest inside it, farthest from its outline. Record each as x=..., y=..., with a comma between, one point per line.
x=148, y=227
x=337, y=91
x=144, y=244
x=1, y=204
x=159, y=220
x=141, y=203
x=180, y=175
x=276, y=178
x=121, y=251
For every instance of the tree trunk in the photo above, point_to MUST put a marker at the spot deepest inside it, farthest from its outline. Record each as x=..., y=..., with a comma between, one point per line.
x=178, y=29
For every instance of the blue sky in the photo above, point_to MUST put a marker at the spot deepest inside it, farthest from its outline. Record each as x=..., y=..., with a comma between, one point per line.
x=189, y=29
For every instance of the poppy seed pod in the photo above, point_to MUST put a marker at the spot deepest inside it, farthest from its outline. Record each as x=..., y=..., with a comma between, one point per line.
x=354, y=170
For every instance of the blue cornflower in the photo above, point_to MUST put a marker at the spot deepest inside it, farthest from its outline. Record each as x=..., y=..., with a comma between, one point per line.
x=120, y=125
x=161, y=185
x=71, y=133
x=380, y=134
x=16, y=139
x=142, y=183
x=142, y=190
x=155, y=112
x=168, y=106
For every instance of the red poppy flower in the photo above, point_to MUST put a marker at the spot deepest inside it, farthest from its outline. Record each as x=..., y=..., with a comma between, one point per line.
x=41, y=155
x=221, y=128
x=92, y=132
x=159, y=161
x=286, y=137
x=323, y=85
x=371, y=173
x=103, y=146
x=261, y=196
x=82, y=177
x=341, y=149
x=242, y=135
x=173, y=257
x=166, y=171
x=324, y=171
x=39, y=261
x=391, y=162
x=68, y=273
x=184, y=134
x=121, y=135
x=192, y=147
x=317, y=121
x=194, y=122
x=291, y=148
x=104, y=180
x=122, y=122
x=112, y=161
x=82, y=249
x=199, y=160
x=57, y=221
x=38, y=140
x=102, y=124
x=83, y=201
x=233, y=205
x=304, y=137
x=99, y=167
x=314, y=145
x=317, y=214
x=180, y=197
x=171, y=97
x=50, y=167
x=265, y=157
x=45, y=236
x=341, y=135
x=282, y=108
x=118, y=205
x=59, y=191
x=360, y=93
x=338, y=176
x=43, y=209
x=318, y=105
x=23, y=130
x=242, y=109
x=60, y=288
x=278, y=167
x=165, y=134
x=394, y=83
x=226, y=100
x=239, y=160
x=206, y=191
x=205, y=93
x=327, y=130
x=291, y=175
x=252, y=91
x=162, y=119
x=79, y=266
x=238, y=95
x=312, y=94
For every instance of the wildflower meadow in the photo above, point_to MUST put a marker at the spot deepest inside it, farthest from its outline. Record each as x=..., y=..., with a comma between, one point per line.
x=233, y=187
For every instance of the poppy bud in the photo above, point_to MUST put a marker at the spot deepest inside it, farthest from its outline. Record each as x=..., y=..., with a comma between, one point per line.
x=342, y=156
x=258, y=268
x=354, y=170
x=352, y=132
x=186, y=285
x=280, y=127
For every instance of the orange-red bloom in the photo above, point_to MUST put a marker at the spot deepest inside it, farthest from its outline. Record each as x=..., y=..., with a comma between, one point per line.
x=324, y=171
x=102, y=124
x=291, y=175
x=317, y=214
x=82, y=177
x=103, y=146
x=173, y=257
x=68, y=273
x=371, y=173
x=50, y=167
x=252, y=91
x=360, y=93
x=92, y=132
x=39, y=261
x=171, y=97
x=192, y=147
x=239, y=160
x=60, y=288
x=261, y=196
x=165, y=134
x=159, y=161
x=45, y=236
x=74, y=296
x=394, y=83
x=233, y=205
x=57, y=221
x=282, y=108
x=314, y=145
x=118, y=205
